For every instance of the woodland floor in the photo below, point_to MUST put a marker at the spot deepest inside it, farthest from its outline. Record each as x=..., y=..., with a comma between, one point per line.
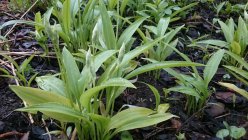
x=195, y=127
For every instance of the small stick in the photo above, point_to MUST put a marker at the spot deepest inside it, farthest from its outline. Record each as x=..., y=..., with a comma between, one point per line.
x=8, y=134
x=224, y=115
x=74, y=133
x=49, y=135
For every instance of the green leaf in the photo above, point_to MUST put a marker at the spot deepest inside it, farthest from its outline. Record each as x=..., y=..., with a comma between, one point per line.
x=222, y=133
x=136, y=117
x=235, y=88
x=11, y=22
x=239, y=59
x=214, y=42
x=183, y=9
x=128, y=33
x=162, y=26
x=236, y=132
x=25, y=64
x=72, y=73
x=123, y=6
x=102, y=57
x=160, y=65
x=238, y=71
x=156, y=94
x=235, y=47
x=138, y=50
x=51, y=83
x=108, y=29
x=212, y=66
x=220, y=6
x=57, y=111
x=66, y=16
x=36, y=96
x=75, y=6
x=114, y=82
x=185, y=90
x=228, y=31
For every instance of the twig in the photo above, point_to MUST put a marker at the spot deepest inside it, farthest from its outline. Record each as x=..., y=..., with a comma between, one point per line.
x=222, y=116
x=39, y=54
x=74, y=133
x=8, y=134
x=49, y=135
x=25, y=53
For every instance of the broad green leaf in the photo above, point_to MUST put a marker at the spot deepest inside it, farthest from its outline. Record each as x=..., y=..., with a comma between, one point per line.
x=75, y=6
x=72, y=73
x=127, y=115
x=102, y=57
x=128, y=33
x=108, y=29
x=66, y=13
x=162, y=26
x=112, y=4
x=136, y=117
x=51, y=83
x=138, y=50
x=235, y=47
x=185, y=90
x=36, y=96
x=213, y=42
x=145, y=121
x=235, y=88
x=239, y=59
x=220, y=6
x=162, y=108
x=212, y=65
x=152, y=29
x=38, y=19
x=11, y=22
x=123, y=6
x=114, y=82
x=160, y=65
x=222, y=133
x=183, y=9
x=57, y=111
x=228, y=32
x=238, y=71
x=236, y=132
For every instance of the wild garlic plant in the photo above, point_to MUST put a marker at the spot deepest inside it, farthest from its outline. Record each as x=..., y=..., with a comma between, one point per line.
x=76, y=98
x=241, y=73
x=235, y=36
x=195, y=86
x=164, y=48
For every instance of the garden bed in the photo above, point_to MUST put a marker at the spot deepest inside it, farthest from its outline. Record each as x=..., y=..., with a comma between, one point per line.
x=222, y=105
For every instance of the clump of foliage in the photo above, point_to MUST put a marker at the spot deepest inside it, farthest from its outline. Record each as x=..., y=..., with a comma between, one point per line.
x=240, y=72
x=76, y=98
x=235, y=36
x=22, y=71
x=231, y=131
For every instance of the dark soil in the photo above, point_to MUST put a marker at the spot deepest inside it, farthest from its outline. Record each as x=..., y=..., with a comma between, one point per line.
x=195, y=127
